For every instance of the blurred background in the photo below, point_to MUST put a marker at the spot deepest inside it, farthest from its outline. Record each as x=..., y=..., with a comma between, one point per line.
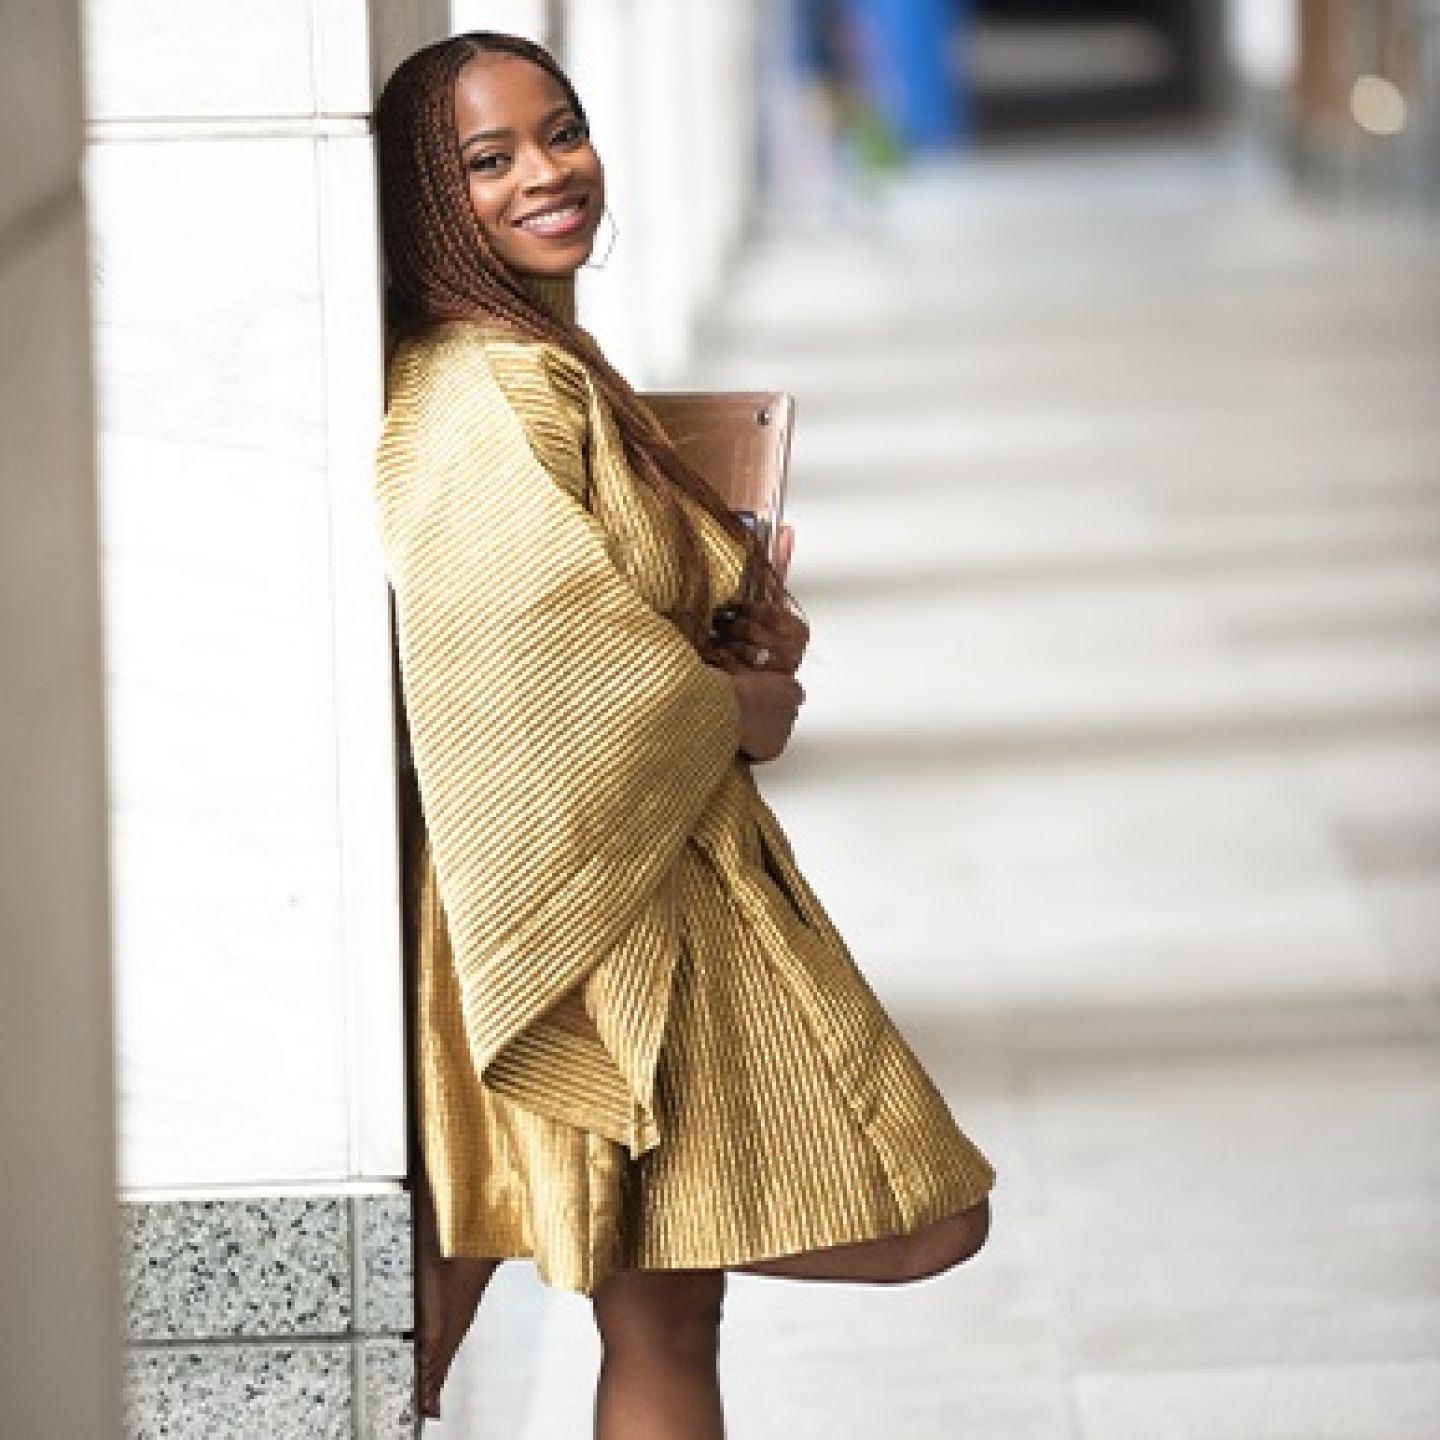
x=1115, y=334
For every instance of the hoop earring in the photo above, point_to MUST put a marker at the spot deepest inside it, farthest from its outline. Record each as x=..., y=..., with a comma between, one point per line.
x=610, y=248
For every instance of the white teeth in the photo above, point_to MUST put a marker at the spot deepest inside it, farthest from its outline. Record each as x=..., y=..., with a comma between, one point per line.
x=551, y=217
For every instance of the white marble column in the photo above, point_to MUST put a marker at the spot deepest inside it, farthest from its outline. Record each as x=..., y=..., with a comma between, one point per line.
x=600, y=39
x=232, y=177
x=530, y=18
x=248, y=681
x=673, y=95
x=724, y=102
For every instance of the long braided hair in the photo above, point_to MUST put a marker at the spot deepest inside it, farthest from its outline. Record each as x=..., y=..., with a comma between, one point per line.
x=441, y=267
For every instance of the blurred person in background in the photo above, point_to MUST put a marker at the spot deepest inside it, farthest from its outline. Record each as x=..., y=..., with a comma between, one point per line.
x=837, y=138
x=645, y=1056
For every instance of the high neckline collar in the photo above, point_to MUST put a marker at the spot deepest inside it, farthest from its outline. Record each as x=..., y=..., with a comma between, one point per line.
x=555, y=294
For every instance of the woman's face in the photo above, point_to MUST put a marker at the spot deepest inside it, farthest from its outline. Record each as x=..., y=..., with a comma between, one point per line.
x=536, y=183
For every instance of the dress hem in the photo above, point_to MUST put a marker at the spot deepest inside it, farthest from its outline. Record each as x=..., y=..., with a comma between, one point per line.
x=960, y=1199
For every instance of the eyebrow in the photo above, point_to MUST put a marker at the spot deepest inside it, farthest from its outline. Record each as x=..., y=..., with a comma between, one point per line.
x=545, y=120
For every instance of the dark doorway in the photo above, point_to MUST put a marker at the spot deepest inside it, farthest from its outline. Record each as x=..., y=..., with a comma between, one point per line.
x=1036, y=65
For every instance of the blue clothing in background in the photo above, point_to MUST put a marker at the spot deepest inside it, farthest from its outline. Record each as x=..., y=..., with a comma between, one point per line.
x=907, y=57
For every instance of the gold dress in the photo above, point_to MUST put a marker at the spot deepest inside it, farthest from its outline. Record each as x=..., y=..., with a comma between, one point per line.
x=640, y=1040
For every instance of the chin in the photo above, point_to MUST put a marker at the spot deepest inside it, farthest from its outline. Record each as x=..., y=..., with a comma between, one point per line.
x=551, y=270
x=565, y=262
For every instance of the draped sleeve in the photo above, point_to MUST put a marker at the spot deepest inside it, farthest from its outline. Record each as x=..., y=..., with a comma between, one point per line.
x=566, y=737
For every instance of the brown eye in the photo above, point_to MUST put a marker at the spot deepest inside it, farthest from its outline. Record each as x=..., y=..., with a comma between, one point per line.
x=571, y=133
x=487, y=164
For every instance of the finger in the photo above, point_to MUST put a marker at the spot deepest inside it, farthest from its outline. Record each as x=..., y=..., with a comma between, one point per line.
x=774, y=612
x=779, y=620
x=772, y=656
x=788, y=638
x=784, y=549
x=751, y=632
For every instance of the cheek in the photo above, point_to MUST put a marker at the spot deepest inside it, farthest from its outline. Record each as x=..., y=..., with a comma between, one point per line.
x=488, y=210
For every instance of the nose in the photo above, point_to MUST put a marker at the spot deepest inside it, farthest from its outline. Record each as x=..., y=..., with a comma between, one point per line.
x=543, y=170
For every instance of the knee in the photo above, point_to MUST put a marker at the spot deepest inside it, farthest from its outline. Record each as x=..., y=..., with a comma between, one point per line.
x=675, y=1313
x=947, y=1243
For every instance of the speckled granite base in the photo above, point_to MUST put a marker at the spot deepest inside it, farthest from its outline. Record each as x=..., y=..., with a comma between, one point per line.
x=269, y=1318
x=234, y=1390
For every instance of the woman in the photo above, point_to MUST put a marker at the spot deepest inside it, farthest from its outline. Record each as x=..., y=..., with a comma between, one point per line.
x=645, y=1056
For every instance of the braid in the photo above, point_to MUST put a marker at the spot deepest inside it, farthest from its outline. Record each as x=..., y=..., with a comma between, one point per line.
x=441, y=267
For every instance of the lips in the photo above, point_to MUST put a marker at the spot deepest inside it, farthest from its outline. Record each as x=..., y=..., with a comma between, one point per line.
x=556, y=221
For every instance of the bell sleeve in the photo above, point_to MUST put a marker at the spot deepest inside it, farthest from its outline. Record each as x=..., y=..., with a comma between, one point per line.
x=566, y=736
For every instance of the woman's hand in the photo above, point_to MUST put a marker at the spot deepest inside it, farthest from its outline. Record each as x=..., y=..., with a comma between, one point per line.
x=769, y=701
x=765, y=637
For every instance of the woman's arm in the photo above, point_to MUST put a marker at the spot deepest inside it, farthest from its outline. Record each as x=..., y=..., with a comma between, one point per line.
x=566, y=736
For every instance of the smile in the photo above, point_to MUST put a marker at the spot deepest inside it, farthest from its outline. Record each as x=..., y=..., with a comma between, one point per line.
x=557, y=223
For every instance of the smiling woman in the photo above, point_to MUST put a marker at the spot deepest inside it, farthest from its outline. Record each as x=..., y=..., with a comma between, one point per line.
x=645, y=1056
x=536, y=185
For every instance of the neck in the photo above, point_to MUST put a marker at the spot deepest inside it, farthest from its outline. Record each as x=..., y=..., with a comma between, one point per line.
x=555, y=294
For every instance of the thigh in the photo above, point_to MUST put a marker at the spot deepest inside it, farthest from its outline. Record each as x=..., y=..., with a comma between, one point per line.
x=891, y=1260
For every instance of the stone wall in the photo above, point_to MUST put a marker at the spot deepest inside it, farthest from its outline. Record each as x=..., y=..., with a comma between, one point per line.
x=270, y=1317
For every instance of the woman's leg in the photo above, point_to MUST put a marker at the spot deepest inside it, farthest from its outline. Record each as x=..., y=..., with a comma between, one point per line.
x=447, y=1294
x=659, y=1376
x=894, y=1260
x=660, y=1329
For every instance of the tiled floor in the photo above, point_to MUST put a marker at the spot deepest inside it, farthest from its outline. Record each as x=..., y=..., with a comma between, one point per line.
x=1118, y=498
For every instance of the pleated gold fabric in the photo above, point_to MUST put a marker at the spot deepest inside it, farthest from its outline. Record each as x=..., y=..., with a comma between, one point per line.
x=640, y=1040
